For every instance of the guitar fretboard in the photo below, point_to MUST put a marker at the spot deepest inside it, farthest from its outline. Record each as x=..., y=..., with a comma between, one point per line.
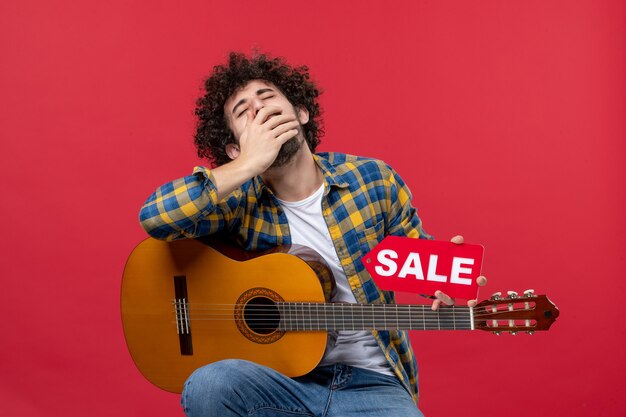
x=336, y=316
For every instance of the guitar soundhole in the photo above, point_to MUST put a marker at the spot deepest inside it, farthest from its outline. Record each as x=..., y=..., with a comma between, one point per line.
x=261, y=315
x=257, y=315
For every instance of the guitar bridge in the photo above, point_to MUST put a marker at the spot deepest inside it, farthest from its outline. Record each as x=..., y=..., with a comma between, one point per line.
x=181, y=308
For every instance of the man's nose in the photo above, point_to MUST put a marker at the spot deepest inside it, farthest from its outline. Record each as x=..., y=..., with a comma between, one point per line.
x=256, y=105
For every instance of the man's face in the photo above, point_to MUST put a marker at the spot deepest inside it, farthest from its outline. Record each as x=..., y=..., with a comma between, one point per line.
x=253, y=97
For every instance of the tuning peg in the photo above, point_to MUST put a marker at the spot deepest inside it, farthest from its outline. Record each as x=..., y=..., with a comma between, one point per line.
x=513, y=333
x=497, y=333
x=530, y=332
x=496, y=296
x=512, y=294
x=528, y=294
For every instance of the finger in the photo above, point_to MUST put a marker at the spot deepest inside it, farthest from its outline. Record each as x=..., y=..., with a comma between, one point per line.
x=279, y=130
x=263, y=114
x=481, y=281
x=472, y=303
x=444, y=298
x=278, y=120
x=458, y=239
x=436, y=304
x=249, y=119
x=286, y=136
x=244, y=134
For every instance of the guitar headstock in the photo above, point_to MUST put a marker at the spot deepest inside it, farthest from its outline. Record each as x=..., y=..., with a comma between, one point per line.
x=514, y=313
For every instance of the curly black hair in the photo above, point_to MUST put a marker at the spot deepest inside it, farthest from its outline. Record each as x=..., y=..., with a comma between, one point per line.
x=213, y=132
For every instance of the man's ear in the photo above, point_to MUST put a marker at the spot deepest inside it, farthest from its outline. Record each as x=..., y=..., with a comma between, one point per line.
x=232, y=150
x=303, y=115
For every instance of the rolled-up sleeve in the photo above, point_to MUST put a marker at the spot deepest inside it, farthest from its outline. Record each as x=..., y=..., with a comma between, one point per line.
x=186, y=208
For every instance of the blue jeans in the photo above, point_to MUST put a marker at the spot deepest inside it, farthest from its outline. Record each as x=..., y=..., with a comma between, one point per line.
x=240, y=388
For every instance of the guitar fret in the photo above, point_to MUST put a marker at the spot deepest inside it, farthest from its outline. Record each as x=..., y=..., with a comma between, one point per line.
x=343, y=323
x=438, y=324
x=362, y=316
x=453, y=318
x=310, y=319
x=352, y=315
x=397, y=322
x=295, y=316
x=385, y=317
x=444, y=317
x=317, y=314
x=341, y=319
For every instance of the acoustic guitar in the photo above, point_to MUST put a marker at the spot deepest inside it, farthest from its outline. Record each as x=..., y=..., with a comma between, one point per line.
x=186, y=304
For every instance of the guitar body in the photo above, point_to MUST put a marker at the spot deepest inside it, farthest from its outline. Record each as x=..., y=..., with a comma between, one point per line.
x=167, y=348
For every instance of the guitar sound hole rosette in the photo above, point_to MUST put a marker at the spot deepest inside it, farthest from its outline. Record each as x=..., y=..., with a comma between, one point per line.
x=257, y=316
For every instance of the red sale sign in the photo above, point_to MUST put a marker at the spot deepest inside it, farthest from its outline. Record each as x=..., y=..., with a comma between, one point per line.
x=424, y=266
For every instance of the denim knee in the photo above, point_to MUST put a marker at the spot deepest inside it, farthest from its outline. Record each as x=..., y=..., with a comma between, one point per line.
x=220, y=375
x=213, y=386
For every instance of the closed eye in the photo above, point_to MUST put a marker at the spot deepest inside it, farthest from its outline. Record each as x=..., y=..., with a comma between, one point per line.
x=263, y=94
x=266, y=97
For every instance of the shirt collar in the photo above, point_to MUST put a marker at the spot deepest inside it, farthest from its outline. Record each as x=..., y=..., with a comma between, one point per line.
x=331, y=176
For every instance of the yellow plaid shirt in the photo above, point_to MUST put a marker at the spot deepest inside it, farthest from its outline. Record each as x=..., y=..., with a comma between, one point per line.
x=364, y=201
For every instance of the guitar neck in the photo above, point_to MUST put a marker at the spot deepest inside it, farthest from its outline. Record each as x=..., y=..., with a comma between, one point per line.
x=336, y=316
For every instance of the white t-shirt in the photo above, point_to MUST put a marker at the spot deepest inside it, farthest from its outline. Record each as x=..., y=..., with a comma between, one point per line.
x=308, y=228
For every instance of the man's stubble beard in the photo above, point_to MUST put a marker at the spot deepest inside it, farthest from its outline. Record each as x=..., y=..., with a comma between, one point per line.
x=289, y=150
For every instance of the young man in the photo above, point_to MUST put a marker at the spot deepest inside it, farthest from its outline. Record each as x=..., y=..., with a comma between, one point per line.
x=259, y=125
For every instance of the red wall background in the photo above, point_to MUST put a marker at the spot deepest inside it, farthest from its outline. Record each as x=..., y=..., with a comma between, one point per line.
x=506, y=118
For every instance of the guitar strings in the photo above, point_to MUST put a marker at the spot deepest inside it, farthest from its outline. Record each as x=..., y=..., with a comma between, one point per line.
x=301, y=317
x=354, y=317
x=358, y=309
x=339, y=323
